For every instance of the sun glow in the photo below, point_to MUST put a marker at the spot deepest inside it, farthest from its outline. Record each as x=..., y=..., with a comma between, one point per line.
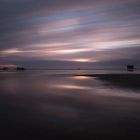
x=11, y=51
x=81, y=60
x=69, y=51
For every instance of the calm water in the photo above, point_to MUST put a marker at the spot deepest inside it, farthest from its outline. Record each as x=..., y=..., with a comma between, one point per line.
x=40, y=105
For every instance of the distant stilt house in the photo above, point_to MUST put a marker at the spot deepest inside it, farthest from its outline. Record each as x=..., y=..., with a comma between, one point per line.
x=20, y=69
x=11, y=68
x=130, y=68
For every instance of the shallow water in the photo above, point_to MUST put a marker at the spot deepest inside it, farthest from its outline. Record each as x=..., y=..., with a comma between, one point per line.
x=55, y=104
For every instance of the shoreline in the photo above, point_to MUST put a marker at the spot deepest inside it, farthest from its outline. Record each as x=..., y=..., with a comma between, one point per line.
x=129, y=81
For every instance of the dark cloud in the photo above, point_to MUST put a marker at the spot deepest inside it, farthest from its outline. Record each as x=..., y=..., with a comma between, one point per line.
x=37, y=29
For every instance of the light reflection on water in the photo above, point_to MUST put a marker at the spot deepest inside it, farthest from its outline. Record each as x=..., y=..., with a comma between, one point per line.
x=56, y=102
x=81, y=77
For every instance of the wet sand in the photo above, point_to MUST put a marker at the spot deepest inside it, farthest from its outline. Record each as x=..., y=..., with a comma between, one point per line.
x=36, y=106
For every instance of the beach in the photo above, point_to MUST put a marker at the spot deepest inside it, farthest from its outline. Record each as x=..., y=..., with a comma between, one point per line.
x=39, y=105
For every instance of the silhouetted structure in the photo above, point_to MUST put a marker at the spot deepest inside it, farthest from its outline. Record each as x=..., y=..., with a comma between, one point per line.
x=5, y=68
x=20, y=69
x=130, y=68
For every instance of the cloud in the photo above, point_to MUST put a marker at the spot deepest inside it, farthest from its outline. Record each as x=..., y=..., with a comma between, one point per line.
x=65, y=30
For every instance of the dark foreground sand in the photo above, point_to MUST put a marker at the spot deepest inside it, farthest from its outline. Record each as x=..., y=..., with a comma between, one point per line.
x=31, y=109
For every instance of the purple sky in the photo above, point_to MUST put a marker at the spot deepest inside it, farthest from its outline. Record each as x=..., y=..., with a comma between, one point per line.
x=71, y=32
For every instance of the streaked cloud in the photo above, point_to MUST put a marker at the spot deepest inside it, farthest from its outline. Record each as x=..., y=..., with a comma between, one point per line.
x=80, y=31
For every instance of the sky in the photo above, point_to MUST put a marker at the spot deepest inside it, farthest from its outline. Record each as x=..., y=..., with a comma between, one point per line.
x=70, y=33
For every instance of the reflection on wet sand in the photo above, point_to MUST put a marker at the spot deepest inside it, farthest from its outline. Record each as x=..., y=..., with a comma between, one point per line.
x=42, y=106
x=72, y=87
x=129, y=81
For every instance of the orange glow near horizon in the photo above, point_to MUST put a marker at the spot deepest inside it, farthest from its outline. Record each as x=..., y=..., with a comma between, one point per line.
x=11, y=51
x=70, y=51
x=8, y=65
x=83, y=60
